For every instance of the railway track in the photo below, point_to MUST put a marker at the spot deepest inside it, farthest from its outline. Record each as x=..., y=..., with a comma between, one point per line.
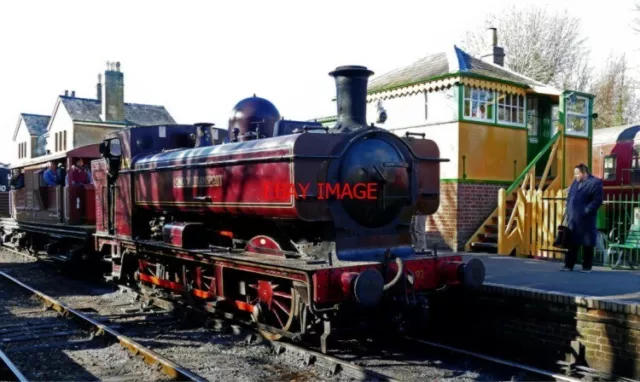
x=37, y=330
x=304, y=366
x=376, y=364
x=9, y=371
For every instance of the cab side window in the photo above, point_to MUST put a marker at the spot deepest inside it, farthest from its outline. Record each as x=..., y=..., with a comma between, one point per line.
x=610, y=167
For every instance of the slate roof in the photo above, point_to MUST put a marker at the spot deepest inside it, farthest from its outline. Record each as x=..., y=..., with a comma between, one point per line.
x=455, y=61
x=88, y=110
x=36, y=123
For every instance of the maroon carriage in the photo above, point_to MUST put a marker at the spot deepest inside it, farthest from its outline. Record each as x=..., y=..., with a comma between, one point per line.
x=57, y=218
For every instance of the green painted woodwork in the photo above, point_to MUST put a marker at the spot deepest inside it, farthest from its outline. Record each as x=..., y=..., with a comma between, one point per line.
x=563, y=121
x=601, y=219
x=460, y=98
x=538, y=140
x=475, y=181
x=536, y=159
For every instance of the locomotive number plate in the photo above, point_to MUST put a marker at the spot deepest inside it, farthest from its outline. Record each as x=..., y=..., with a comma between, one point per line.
x=198, y=181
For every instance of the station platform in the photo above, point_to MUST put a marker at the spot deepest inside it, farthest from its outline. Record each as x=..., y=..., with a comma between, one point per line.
x=604, y=284
x=529, y=311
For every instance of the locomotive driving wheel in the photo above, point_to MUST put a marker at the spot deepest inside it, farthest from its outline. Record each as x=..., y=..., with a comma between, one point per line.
x=274, y=304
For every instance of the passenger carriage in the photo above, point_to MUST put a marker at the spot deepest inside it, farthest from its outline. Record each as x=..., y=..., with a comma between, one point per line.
x=59, y=219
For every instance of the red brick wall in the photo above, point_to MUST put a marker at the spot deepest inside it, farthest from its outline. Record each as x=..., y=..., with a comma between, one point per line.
x=540, y=328
x=475, y=203
x=441, y=227
x=463, y=207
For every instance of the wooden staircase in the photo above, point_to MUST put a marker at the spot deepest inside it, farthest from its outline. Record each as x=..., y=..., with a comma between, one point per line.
x=507, y=230
x=485, y=239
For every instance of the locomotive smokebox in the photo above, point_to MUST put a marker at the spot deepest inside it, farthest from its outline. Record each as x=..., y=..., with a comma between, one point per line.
x=351, y=96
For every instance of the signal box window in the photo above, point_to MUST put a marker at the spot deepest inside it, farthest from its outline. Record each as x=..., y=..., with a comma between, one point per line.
x=609, y=167
x=555, y=119
x=533, y=120
x=578, y=117
x=478, y=104
x=510, y=109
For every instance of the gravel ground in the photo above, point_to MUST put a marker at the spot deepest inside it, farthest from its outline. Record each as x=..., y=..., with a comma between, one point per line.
x=413, y=362
x=220, y=355
x=215, y=355
x=20, y=315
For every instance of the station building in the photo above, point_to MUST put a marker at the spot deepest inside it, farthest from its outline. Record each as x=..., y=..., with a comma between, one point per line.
x=76, y=122
x=493, y=124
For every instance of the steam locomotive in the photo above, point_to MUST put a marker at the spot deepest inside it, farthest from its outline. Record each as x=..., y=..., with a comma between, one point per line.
x=298, y=227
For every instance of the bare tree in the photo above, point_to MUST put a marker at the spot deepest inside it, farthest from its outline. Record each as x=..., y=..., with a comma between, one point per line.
x=616, y=102
x=546, y=47
x=636, y=20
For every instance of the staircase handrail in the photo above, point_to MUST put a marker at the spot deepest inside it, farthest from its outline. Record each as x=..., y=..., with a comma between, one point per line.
x=533, y=162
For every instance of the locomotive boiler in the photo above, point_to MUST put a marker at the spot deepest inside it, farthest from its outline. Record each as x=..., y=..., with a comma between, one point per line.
x=297, y=225
x=308, y=192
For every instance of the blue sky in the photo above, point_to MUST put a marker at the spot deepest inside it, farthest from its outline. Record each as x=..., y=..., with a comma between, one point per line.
x=199, y=58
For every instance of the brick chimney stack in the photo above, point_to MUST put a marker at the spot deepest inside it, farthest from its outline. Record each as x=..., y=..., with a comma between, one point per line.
x=99, y=87
x=497, y=52
x=112, y=98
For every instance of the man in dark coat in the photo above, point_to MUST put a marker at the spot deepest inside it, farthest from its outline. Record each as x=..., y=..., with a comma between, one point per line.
x=584, y=199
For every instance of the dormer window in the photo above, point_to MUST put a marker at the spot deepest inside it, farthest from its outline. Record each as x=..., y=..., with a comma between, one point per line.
x=22, y=150
x=61, y=141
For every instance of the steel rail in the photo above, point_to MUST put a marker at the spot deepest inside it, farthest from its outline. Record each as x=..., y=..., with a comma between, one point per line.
x=13, y=250
x=12, y=368
x=496, y=360
x=168, y=367
x=335, y=365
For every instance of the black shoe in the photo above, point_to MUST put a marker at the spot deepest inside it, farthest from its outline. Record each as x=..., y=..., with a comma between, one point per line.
x=566, y=269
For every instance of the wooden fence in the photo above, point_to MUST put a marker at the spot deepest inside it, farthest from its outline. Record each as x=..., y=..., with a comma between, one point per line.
x=534, y=222
x=539, y=213
x=547, y=213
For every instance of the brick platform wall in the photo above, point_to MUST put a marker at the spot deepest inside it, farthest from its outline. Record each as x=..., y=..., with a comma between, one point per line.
x=475, y=203
x=540, y=329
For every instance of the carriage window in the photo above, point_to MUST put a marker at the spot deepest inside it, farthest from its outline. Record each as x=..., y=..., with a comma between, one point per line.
x=478, y=104
x=635, y=164
x=114, y=148
x=610, y=167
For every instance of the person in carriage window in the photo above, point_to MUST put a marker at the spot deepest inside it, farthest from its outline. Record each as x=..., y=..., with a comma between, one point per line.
x=17, y=180
x=77, y=174
x=51, y=175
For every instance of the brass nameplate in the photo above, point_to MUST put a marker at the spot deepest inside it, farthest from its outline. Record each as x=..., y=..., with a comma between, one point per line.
x=198, y=181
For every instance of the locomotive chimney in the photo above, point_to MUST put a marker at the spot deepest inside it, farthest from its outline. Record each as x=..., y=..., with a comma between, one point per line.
x=351, y=96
